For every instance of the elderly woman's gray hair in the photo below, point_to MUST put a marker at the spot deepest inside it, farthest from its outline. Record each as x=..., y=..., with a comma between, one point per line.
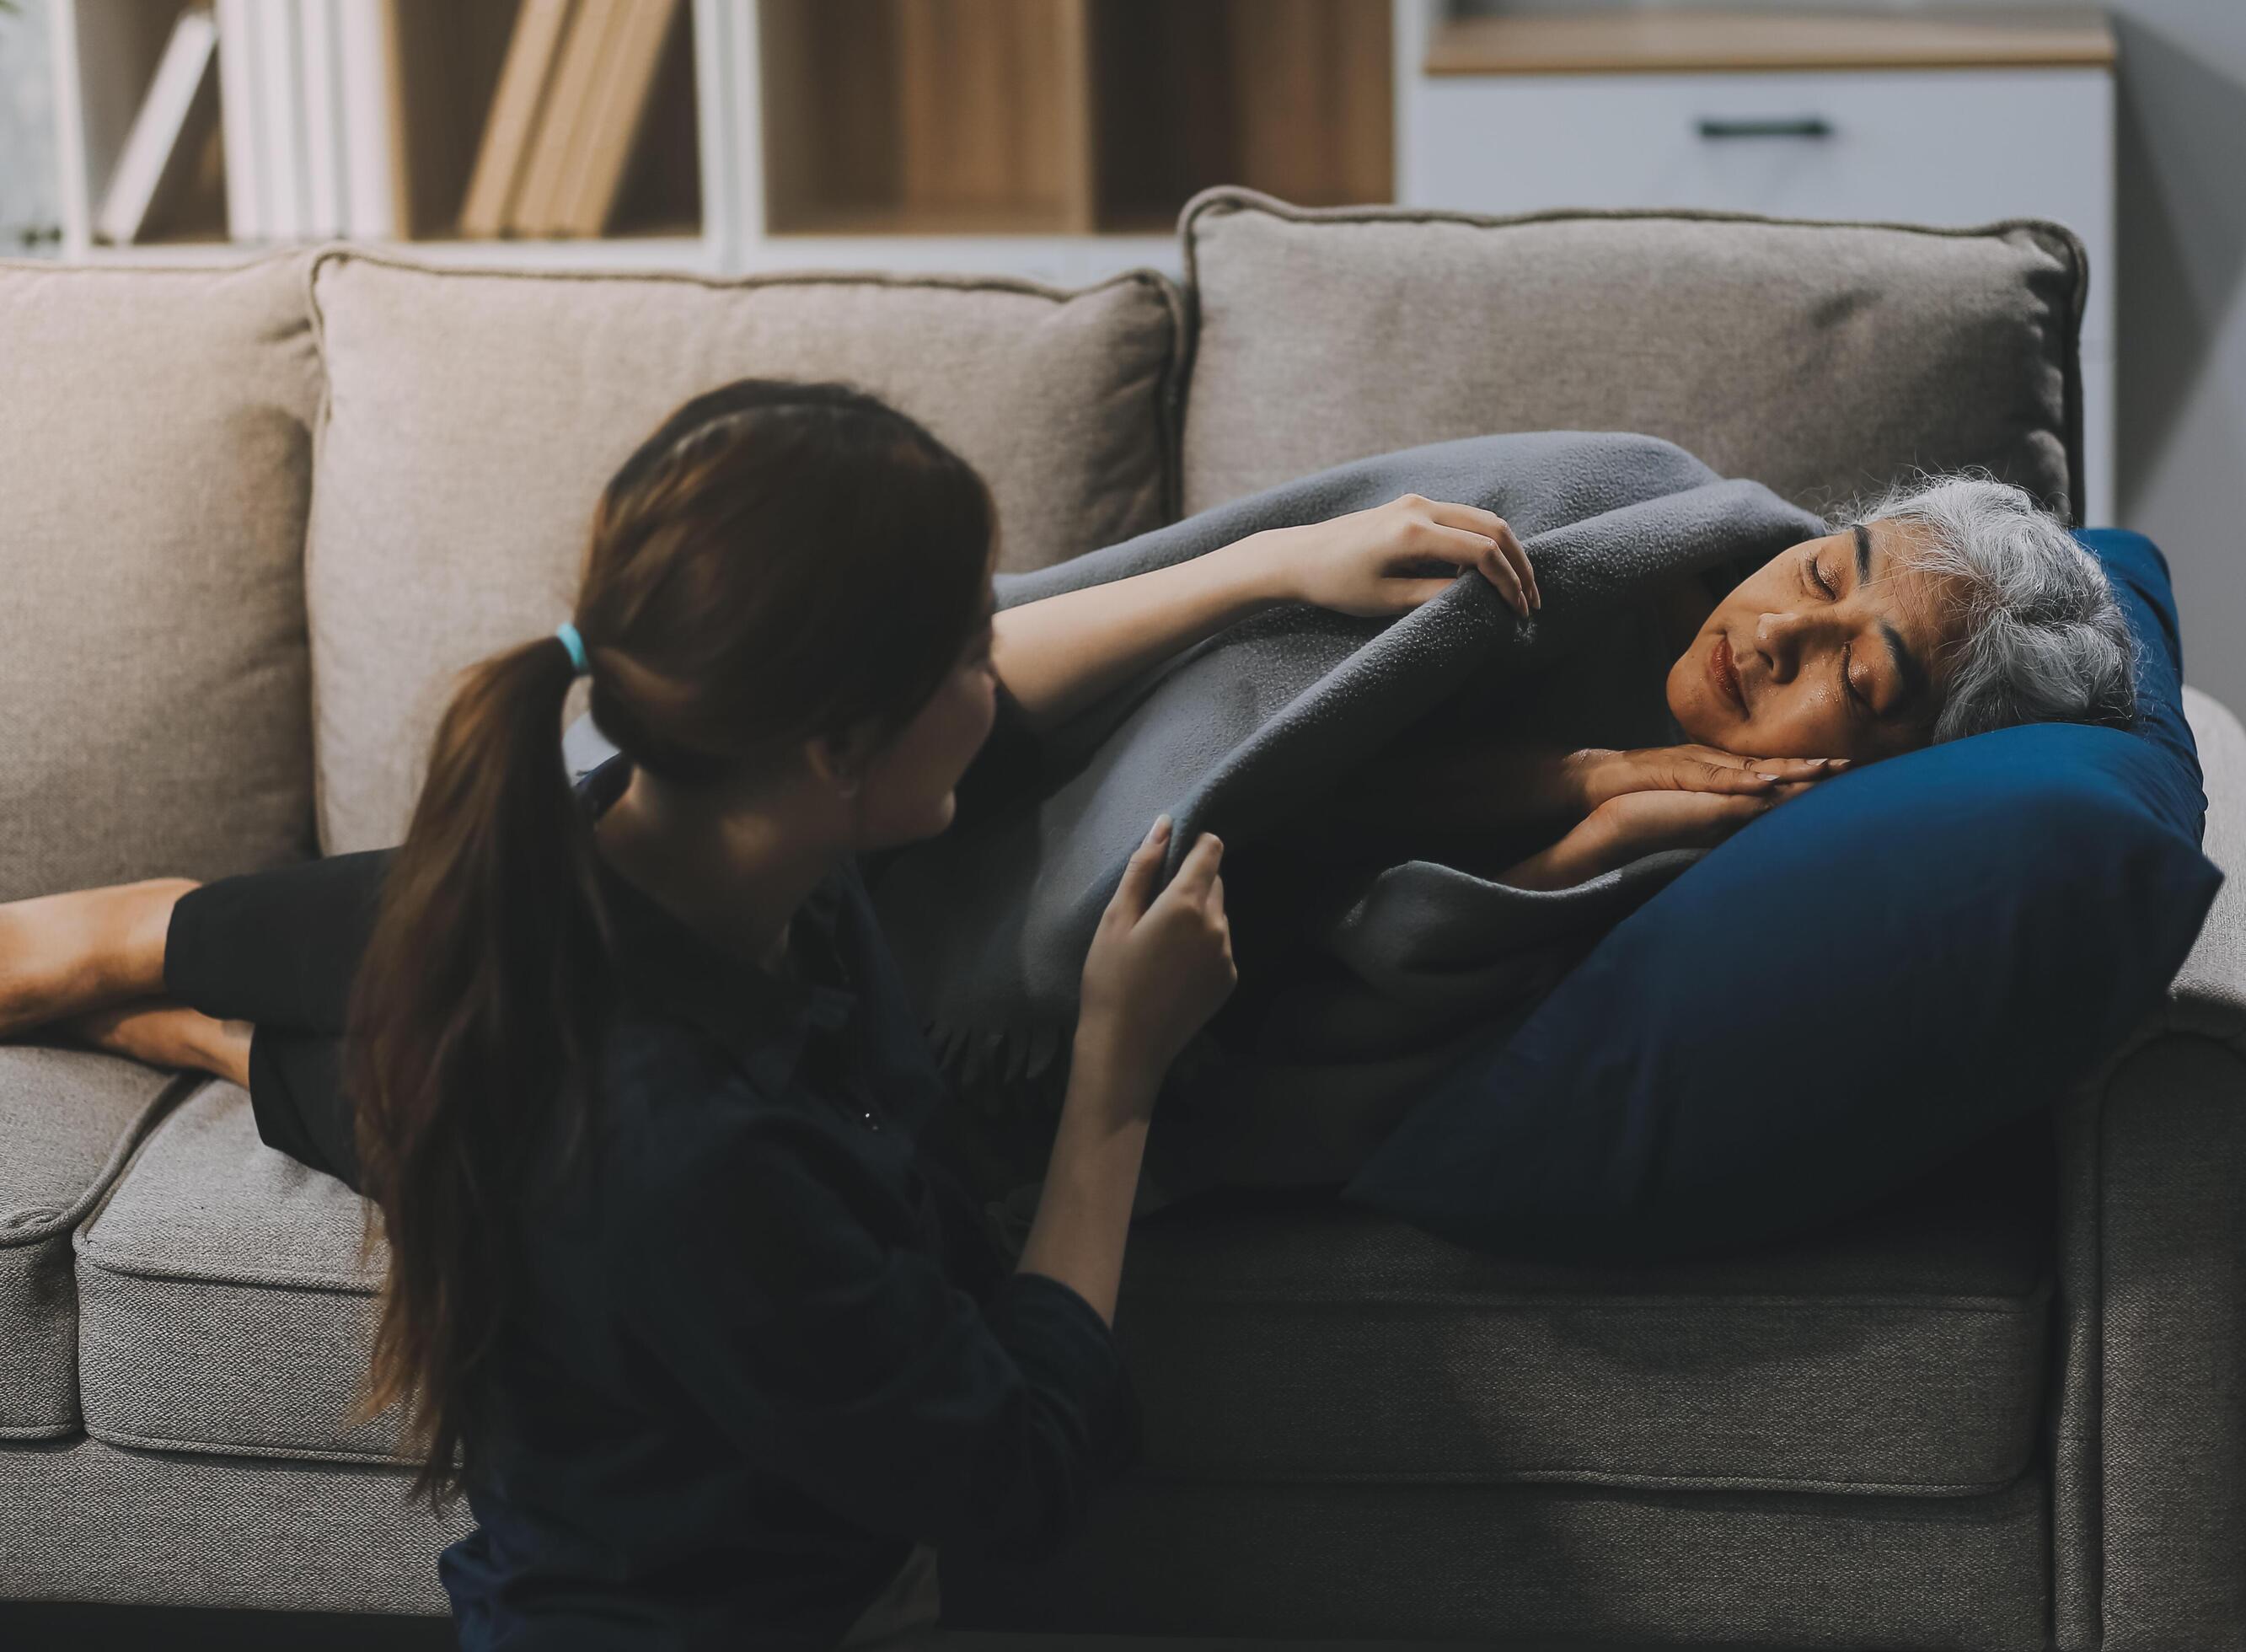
x=2042, y=639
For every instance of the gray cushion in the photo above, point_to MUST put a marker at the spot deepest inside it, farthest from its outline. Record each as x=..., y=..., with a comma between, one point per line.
x=82, y=1520
x=68, y=1120
x=155, y=463
x=223, y=1304
x=473, y=419
x=1531, y=1565
x=1900, y=1353
x=1819, y=359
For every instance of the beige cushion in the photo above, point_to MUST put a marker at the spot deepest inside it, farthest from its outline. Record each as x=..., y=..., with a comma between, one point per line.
x=155, y=460
x=1821, y=359
x=475, y=416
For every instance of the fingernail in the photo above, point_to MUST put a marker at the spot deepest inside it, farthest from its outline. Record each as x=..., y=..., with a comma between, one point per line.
x=1840, y=763
x=1759, y=775
x=1162, y=826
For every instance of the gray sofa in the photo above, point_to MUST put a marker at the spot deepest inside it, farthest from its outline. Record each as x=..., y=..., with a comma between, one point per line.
x=257, y=514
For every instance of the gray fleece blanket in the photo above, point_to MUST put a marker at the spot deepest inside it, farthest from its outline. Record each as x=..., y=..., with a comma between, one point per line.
x=1386, y=980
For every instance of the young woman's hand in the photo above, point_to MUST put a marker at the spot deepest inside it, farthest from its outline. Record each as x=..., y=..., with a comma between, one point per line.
x=1377, y=561
x=1596, y=775
x=1160, y=964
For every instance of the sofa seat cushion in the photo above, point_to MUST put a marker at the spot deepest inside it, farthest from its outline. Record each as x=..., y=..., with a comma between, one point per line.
x=81, y=1520
x=223, y=1302
x=1902, y=1352
x=474, y=417
x=1819, y=359
x=225, y=1307
x=1585, y=1566
x=68, y=1120
x=156, y=469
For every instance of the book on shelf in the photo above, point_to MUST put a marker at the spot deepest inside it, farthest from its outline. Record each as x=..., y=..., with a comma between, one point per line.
x=617, y=116
x=170, y=131
x=533, y=50
x=559, y=133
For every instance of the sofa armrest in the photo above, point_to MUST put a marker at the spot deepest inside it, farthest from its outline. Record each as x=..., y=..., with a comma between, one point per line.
x=2209, y=996
x=2149, y=1424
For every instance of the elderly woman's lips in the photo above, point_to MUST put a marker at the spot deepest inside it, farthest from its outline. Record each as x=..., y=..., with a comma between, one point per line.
x=1724, y=674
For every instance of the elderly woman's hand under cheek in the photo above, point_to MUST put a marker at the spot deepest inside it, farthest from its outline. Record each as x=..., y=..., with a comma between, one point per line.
x=1688, y=797
x=1598, y=775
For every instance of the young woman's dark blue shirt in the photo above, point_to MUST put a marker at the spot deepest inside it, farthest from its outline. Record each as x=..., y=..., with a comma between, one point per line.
x=764, y=1344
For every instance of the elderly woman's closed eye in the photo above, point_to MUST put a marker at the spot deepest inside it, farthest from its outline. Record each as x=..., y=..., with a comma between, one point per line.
x=1945, y=608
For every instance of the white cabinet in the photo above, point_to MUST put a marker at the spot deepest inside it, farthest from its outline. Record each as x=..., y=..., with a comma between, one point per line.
x=1946, y=146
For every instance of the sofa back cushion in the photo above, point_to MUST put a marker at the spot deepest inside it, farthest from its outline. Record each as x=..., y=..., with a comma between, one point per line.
x=473, y=417
x=155, y=464
x=1819, y=359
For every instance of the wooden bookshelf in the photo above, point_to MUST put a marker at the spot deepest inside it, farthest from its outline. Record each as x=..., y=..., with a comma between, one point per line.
x=1056, y=138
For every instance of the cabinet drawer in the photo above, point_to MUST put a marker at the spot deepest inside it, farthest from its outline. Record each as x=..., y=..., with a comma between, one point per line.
x=1946, y=146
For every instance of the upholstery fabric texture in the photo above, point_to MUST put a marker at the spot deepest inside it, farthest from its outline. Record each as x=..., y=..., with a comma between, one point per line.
x=1900, y=1353
x=68, y=1118
x=472, y=418
x=1821, y=359
x=157, y=469
x=222, y=1303
x=1551, y=1564
x=82, y=1520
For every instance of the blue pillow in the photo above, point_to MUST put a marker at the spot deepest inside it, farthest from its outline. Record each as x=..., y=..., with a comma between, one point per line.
x=1852, y=989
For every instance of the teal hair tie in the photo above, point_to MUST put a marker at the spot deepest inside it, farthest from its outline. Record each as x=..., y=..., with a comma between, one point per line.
x=576, y=644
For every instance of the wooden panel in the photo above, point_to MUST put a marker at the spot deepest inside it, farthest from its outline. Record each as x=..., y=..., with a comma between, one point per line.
x=1313, y=99
x=1654, y=42
x=934, y=114
x=1294, y=97
x=829, y=72
x=989, y=98
x=663, y=193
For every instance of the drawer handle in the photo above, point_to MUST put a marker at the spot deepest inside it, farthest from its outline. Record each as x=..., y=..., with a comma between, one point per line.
x=1797, y=126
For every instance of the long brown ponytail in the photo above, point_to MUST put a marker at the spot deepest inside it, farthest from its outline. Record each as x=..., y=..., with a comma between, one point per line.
x=777, y=560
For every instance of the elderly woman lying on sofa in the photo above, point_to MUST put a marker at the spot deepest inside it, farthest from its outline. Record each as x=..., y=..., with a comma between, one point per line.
x=1942, y=608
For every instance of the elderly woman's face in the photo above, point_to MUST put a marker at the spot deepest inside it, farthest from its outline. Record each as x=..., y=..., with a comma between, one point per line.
x=1828, y=649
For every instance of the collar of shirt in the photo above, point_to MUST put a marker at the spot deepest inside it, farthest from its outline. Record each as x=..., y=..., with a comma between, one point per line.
x=763, y=1018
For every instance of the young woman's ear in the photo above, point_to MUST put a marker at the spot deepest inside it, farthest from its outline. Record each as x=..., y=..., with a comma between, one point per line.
x=840, y=761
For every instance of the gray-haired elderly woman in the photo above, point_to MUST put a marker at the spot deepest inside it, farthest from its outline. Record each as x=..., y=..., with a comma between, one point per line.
x=1949, y=605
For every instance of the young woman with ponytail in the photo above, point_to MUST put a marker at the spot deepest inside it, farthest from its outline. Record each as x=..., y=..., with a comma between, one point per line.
x=717, y=1356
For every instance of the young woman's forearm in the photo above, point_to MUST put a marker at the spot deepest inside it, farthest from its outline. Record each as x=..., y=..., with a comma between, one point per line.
x=1061, y=654
x=1092, y=1181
